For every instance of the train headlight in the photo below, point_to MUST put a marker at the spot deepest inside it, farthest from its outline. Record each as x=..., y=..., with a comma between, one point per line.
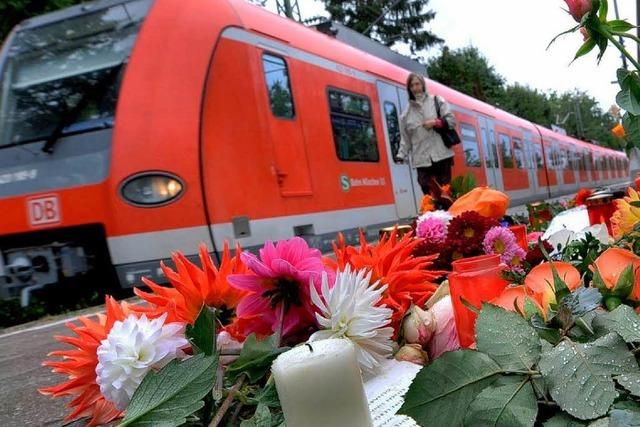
x=152, y=189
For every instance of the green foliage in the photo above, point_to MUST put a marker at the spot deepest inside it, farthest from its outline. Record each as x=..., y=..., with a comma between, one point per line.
x=507, y=338
x=388, y=21
x=442, y=391
x=631, y=382
x=13, y=12
x=255, y=358
x=579, y=375
x=581, y=253
x=468, y=71
x=169, y=396
x=514, y=379
x=623, y=321
x=462, y=184
x=510, y=403
x=202, y=334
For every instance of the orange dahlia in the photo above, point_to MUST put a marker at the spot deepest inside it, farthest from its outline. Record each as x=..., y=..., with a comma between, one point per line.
x=626, y=216
x=192, y=287
x=79, y=364
x=409, y=278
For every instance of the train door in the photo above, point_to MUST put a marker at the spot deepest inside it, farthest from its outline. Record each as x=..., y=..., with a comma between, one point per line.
x=417, y=191
x=530, y=162
x=403, y=183
x=492, y=165
x=285, y=128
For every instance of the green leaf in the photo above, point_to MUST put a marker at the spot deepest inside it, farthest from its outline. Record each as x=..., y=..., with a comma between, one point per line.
x=563, y=420
x=631, y=382
x=620, y=25
x=442, y=391
x=586, y=47
x=509, y=405
x=550, y=335
x=623, y=320
x=507, y=338
x=582, y=301
x=202, y=333
x=262, y=418
x=629, y=98
x=625, y=283
x=574, y=29
x=560, y=286
x=268, y=396
x=579, y=375
x=631, y=125
x=165, y=398
x=624, y=418
x=635, y=204
x=603, y=10
x=598, y=282
x=255, y=358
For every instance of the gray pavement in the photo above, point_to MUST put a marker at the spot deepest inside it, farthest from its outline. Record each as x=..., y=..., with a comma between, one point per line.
x=21, y=374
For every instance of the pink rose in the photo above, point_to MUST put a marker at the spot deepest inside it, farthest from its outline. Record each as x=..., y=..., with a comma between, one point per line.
x=579, y=8
x=412, y=353
x=418, y=326
x=445, y=337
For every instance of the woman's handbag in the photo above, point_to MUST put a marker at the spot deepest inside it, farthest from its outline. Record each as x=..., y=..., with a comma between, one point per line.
x=449, y=135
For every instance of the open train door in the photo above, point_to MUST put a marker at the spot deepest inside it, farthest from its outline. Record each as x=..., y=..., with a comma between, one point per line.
x=403, y=183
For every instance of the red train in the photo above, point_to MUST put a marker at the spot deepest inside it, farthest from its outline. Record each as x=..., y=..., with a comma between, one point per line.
x=131, y=128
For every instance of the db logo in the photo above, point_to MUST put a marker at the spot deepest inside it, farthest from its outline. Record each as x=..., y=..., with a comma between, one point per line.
x=44, y=210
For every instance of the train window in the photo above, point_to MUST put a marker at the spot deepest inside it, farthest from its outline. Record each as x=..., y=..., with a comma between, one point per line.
x=276, y=76
x=518, y=153
x=353, y=132
x=507, y=153
x=393, y=127
x=539, y=158
x=470, y=145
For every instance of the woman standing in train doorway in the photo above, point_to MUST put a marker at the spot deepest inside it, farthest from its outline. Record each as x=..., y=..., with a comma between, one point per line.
x=418, y=124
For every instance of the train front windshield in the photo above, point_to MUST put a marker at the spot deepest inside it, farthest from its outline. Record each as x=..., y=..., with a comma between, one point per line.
x=48, y=71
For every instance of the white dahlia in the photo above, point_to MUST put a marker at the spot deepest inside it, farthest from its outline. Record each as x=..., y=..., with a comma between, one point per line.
x=131, y=349
x=348, y=310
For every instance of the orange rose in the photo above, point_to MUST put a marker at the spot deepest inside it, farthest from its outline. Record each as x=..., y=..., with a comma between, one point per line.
x=513, y=299
x=539, y=281
x=610, y=265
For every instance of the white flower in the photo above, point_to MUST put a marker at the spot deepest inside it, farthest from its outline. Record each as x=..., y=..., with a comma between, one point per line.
x=131, y=349
x=348, y=310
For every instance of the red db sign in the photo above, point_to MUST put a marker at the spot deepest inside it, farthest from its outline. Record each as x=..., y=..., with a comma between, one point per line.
x=44, y=210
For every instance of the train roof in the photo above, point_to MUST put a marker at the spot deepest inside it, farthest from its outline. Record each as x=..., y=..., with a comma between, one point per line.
x=258, y=19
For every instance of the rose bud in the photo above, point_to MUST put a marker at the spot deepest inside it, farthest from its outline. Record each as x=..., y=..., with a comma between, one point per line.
x=418, y=326
x=579, y=8
x=412, y=353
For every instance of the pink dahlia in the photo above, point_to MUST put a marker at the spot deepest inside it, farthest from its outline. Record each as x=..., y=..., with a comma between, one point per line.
x=279, y=279
x=432, y=229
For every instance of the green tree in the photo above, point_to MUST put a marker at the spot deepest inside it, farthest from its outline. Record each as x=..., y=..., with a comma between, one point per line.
x=596, y=124
x=467, y=71
x=12, y=12
x=388, y=21
x=528, y=103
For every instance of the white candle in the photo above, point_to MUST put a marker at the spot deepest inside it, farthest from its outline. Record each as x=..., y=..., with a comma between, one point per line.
x=321, y=387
